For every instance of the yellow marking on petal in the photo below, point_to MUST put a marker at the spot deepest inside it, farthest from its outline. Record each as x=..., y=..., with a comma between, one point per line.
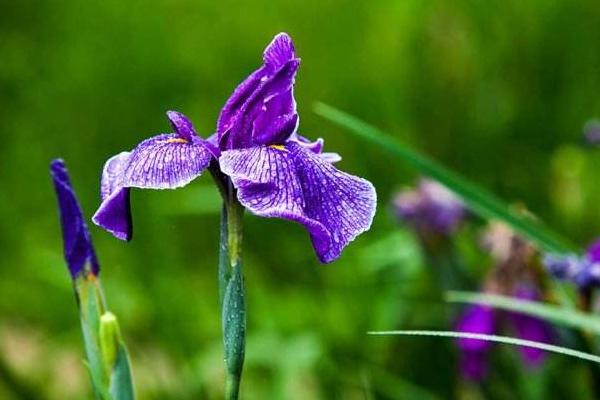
x=173, y=140
x=279, y=147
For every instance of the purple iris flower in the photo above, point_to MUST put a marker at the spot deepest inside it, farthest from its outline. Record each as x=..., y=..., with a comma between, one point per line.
x=485, y=320
x=78, y=249
x=582, y=270
x=430, y=208
x=275, y=171
x=278, y=173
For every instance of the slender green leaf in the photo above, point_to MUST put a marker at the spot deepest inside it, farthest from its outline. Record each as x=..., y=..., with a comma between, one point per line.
x=477, y=199
x=89, y=316
x=559, y=315
x=121, y=385
x=494, y=338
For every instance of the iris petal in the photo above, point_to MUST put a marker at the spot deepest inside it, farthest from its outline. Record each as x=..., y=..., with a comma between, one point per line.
x=166, y=161
x=114, y=214
x=293, y=183
x=279, y=51
x=262, y=109
x=181, y=125
x=112, y=174
x=231, y=109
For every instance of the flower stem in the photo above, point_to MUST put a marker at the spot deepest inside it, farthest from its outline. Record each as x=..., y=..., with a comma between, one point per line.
x=231, y=294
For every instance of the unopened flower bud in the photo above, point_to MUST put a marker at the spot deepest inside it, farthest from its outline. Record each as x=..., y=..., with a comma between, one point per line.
x=110, y=339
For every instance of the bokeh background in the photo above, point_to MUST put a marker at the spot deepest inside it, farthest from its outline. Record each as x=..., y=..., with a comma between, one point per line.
x=498, y=90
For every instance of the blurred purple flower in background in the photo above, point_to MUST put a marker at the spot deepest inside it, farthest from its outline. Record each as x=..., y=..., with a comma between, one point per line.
x=78, y=250
x=485, y=320
x=476, y=319
x=514, y=274
x=582, y=270
x=430, y=208
x=591, y=132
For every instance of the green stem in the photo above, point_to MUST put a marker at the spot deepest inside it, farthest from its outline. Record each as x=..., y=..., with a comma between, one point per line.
x=231, y=293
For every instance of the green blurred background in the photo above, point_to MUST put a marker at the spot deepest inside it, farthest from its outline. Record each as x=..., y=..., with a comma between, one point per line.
x=498, y=90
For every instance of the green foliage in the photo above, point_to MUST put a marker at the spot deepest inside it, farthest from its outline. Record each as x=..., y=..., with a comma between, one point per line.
x=495, y=90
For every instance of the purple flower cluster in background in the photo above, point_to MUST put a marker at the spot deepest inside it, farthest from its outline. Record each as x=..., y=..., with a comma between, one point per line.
x=591, y=132
x=485, y=320
x=430, y=208
x=582, y=270
x=78, y=250
x=274, y=171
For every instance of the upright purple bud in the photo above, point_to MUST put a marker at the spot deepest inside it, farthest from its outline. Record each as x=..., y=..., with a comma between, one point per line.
x=78, y=250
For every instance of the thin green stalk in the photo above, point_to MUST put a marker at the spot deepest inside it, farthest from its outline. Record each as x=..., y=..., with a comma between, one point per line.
x=231, y=293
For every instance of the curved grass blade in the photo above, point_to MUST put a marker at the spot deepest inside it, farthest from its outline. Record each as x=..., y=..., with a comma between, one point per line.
x=559, y=315
x=498, y=339
x=480, y=201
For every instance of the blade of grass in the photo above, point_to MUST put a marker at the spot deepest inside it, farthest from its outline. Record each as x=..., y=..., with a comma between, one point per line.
x=477, y=199
x=559, y=315
x=494, y=338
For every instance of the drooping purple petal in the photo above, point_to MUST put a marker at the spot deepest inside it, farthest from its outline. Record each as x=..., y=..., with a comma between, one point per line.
x=293, y=183
x=262, y=109
x=114, y=213
x=166, y=161
x=78, y=250
x=530, y=328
